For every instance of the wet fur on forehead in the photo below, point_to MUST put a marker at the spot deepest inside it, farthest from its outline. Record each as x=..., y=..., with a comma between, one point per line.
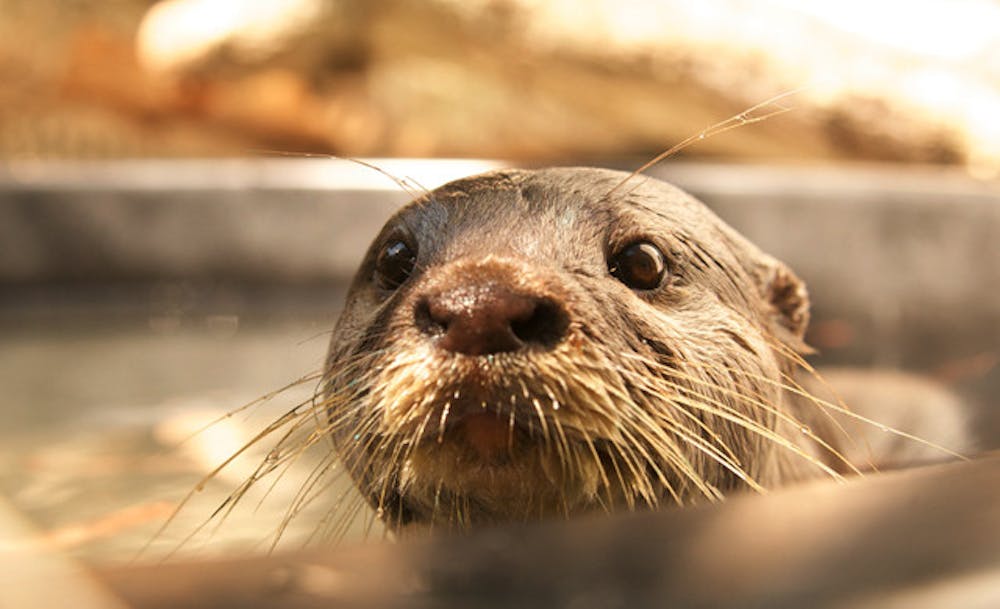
x=482, y=201
x=511, y=209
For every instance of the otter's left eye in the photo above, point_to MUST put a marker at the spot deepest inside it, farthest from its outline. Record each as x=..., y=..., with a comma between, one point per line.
x=640, y=266
x=394, y=264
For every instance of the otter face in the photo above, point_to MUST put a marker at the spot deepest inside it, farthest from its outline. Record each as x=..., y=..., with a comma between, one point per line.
x=534, y=344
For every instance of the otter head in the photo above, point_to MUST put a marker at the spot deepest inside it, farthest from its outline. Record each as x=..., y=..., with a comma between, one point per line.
x=529, y=344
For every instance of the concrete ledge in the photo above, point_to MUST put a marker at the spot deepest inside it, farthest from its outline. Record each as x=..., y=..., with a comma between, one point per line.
x=282, y=221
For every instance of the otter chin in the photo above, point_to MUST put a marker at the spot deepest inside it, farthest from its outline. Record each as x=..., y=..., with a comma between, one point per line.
x=525, y=345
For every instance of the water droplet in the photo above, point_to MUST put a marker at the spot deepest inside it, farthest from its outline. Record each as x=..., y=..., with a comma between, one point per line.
x=805, y=429
x=357, y=437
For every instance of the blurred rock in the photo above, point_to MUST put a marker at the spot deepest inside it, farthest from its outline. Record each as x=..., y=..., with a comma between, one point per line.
x=528, y=80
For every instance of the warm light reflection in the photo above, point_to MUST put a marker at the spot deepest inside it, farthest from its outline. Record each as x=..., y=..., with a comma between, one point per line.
x=956, y=30
x=208, y=438
x=176, y=33
x=937, y=60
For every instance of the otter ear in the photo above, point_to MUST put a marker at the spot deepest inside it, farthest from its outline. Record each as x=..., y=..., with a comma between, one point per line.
x=788, y=303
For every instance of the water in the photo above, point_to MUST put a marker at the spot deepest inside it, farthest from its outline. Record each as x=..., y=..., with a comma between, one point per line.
x=107, y=427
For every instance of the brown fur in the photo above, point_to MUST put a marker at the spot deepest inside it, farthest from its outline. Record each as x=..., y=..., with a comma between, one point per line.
x=676, y=395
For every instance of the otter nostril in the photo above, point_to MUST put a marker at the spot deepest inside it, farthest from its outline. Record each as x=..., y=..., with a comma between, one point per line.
x=545, y=326
x=426, y=321
x=479, y=319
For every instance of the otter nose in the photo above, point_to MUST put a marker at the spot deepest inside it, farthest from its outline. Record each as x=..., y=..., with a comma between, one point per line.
x=486, y=318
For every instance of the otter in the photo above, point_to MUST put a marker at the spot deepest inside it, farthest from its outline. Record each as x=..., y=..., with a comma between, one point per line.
x=534, y=344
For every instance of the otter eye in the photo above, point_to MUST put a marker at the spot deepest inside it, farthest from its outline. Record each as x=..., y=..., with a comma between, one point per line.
x=394, y=264
x=640, y=266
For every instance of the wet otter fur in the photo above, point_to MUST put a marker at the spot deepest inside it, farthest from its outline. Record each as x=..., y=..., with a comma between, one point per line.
x=525, y=345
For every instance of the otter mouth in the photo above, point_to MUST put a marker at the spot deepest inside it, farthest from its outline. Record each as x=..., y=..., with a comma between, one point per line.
x=483, y=437
x=496, y=466
x=488, y=437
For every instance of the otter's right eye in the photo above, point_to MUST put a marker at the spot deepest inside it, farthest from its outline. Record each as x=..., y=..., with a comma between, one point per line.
x=394, y=264
x=640, y=266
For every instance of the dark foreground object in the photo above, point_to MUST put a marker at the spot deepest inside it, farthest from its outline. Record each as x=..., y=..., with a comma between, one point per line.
x=922, y=538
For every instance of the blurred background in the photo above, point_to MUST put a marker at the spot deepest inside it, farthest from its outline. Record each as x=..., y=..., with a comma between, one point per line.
x=175, y=240
x=516, y=79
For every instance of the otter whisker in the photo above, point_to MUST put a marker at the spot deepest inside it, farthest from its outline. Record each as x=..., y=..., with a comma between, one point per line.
x=668, y=449
x=877, y=425
x=723, y=411
x=271, y=428
x=403, y=453
x=648, y=388
x=796, y=389
x=510, y=430
x=637, y=455
x=666, y=417
x=341, y=524
x=588, y=441
x=538, y=411
x=719, y=408
x=563, y=442
x=310, y=491
x=566, y=453
x=737, y=120
x=437, y=502
x=801, y=362
x=701, y=445
x=444, y=418
x=614, y=454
